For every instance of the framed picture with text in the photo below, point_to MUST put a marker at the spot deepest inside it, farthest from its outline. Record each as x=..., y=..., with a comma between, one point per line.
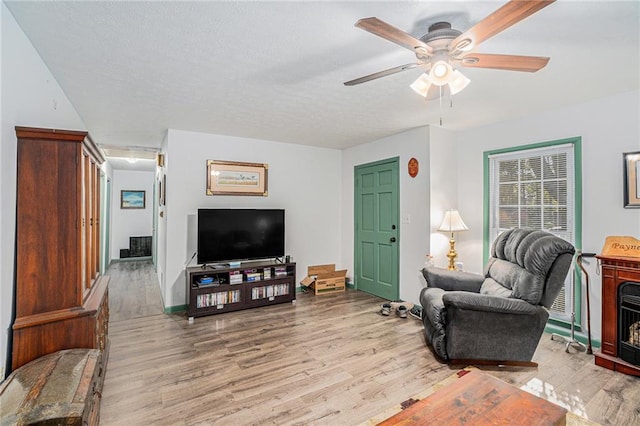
x=234, y=178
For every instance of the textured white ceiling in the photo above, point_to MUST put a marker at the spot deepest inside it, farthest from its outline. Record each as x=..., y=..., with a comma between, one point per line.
x=130, y=158
x=274, y=70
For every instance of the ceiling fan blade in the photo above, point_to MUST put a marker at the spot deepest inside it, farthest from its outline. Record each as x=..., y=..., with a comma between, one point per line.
x=504, y=62
x=508, y=15
x=393, y=34
x=380, y=74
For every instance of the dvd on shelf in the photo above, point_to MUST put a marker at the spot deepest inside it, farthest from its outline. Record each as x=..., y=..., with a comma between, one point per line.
x=218, y=298
x=269, y=291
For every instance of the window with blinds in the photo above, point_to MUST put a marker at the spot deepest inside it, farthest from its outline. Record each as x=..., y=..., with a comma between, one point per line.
x=535, y=188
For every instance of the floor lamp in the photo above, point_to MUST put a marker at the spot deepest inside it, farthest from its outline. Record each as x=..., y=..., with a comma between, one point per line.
x=452, y=222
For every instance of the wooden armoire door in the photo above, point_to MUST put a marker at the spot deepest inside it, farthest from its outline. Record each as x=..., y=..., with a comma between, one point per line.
x=61, y=300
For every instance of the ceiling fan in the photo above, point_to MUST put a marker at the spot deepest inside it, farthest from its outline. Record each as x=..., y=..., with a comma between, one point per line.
x=443, y=48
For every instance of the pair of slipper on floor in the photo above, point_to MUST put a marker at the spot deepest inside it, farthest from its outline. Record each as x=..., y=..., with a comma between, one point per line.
x=400, y=310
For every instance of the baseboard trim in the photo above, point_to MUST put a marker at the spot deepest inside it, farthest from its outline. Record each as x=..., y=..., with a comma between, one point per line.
x=174, y=309
x=131, y=259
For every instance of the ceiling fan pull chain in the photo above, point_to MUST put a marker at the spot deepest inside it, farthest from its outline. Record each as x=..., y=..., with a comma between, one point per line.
x=440, y=91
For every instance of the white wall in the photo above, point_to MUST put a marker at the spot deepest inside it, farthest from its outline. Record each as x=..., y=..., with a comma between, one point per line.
x=414, y=202
x=30, y=97
x=608, y=128
x=443, y=190
x=127, y=223
x=161, y=226
x=105, y=216
x=303, y=180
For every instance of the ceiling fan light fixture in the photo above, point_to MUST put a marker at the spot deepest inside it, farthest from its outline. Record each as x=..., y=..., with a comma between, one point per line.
x=458, y=82
x=422, y=85
x=443, y=46
x=440, y=73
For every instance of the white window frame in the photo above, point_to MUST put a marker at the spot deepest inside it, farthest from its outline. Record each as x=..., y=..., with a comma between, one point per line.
x=572, y=147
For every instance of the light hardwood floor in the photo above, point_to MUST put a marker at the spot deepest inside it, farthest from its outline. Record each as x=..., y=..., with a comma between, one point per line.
x=133, y=290
x=323, y=360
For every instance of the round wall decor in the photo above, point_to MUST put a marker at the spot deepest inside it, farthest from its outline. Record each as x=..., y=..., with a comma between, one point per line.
x=413, y=167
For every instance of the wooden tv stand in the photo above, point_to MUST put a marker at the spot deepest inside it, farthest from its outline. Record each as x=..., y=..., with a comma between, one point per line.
x=216, y=289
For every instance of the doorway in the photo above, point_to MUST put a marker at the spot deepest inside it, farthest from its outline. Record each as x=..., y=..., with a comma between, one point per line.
x=105, y=228
x=134, y=290
x=377, y=209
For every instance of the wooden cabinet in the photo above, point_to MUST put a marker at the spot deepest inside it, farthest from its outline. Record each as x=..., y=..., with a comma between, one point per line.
x=615, y=272
x=216, y=290
x=61, y=300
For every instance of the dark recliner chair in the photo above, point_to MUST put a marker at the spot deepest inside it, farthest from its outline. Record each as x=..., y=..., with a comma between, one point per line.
x=498, y=317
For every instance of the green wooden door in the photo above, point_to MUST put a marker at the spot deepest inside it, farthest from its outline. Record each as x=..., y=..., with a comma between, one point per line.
x=376, y=228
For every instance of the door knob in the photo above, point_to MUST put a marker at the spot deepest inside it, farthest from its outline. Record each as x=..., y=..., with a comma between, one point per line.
x=392, y=239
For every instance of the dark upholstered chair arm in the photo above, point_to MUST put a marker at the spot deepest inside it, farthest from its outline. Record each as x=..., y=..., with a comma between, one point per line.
x=452, y=280
x=485, y=303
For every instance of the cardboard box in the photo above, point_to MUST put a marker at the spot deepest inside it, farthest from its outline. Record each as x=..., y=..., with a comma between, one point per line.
x=324, y=279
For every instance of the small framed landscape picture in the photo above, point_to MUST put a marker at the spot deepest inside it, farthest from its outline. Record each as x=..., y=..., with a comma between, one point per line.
x=233, y=178
x=130, y=199
x=632, y=180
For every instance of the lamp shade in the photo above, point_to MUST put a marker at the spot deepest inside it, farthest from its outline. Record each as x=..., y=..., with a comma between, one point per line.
x=421, y=85
x=440, y=73
x=458, y=82
x=455, y=79
x=452, y=222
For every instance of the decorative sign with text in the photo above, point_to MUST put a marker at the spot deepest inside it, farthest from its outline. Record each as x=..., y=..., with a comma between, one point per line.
x=615, y=246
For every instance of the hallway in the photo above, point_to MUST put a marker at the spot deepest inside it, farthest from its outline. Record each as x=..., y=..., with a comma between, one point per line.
x=134, y=291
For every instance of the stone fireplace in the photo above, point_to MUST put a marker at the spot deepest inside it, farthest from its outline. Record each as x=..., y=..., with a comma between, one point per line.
x=620, y=350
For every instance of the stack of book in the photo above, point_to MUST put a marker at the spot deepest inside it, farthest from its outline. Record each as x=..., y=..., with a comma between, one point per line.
x=252, y=275
x=235, y=277
x=280, y=271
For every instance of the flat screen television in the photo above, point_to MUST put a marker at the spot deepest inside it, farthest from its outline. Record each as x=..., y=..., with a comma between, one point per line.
x=239, y=234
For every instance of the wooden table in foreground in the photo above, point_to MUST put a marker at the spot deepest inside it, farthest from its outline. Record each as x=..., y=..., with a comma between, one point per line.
x=480, y=399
